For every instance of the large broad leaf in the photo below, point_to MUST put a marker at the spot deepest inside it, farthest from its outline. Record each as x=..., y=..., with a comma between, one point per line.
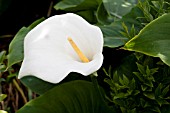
x=43, y=86
x=153, y=39
x=16, y=47
x=72, y=97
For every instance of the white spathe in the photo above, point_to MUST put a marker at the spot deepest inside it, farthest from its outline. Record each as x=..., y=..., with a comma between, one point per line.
x=48, y=54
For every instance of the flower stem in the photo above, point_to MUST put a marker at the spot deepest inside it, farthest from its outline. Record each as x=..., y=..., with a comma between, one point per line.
x=97, y=88
x=96, y=85
x=20, y=90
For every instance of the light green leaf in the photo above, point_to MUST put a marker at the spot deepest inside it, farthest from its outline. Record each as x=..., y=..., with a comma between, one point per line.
x=117, y=8
x=125, y=80
x=158, y=90
x=72, y=97
x=2, y=97
x=150, y=95
x=153, y=39
x=141, y=68
x=2, y=56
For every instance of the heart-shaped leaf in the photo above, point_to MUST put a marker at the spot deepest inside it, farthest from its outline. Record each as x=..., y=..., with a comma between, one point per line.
x=153, y=39
x=72, y=97
x=43, y=86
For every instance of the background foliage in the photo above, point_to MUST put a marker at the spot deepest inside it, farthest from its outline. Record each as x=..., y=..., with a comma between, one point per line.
x=135, y=74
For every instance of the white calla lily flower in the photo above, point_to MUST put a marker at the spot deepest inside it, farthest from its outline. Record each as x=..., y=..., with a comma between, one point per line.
x=49, y=55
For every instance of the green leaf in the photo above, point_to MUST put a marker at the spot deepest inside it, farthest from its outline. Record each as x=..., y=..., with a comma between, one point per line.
x=72, y=97
x=156, y=109
x=139, y=75
x=117, y=8
x=141, y=68
x=162, y=102
x=165, y=91
x=149, y=95
x=125, y=80
x=121, y=96
x=144, y=87
x=16, y=47
x=2, y=56
x=158, y=90
x=41, y=86
x=115, y=77
x=153, y=39
x=112, y=37
x=77, y=5
x=146, y=8
x=2, y=97
x=132, y=84
x=103, y=16
x=35, y=23
x=84, y=8
x=88, y=15
x=132, y=18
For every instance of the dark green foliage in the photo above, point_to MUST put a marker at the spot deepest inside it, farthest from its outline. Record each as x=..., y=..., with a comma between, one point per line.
x=140, y=92
x=72, y=97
